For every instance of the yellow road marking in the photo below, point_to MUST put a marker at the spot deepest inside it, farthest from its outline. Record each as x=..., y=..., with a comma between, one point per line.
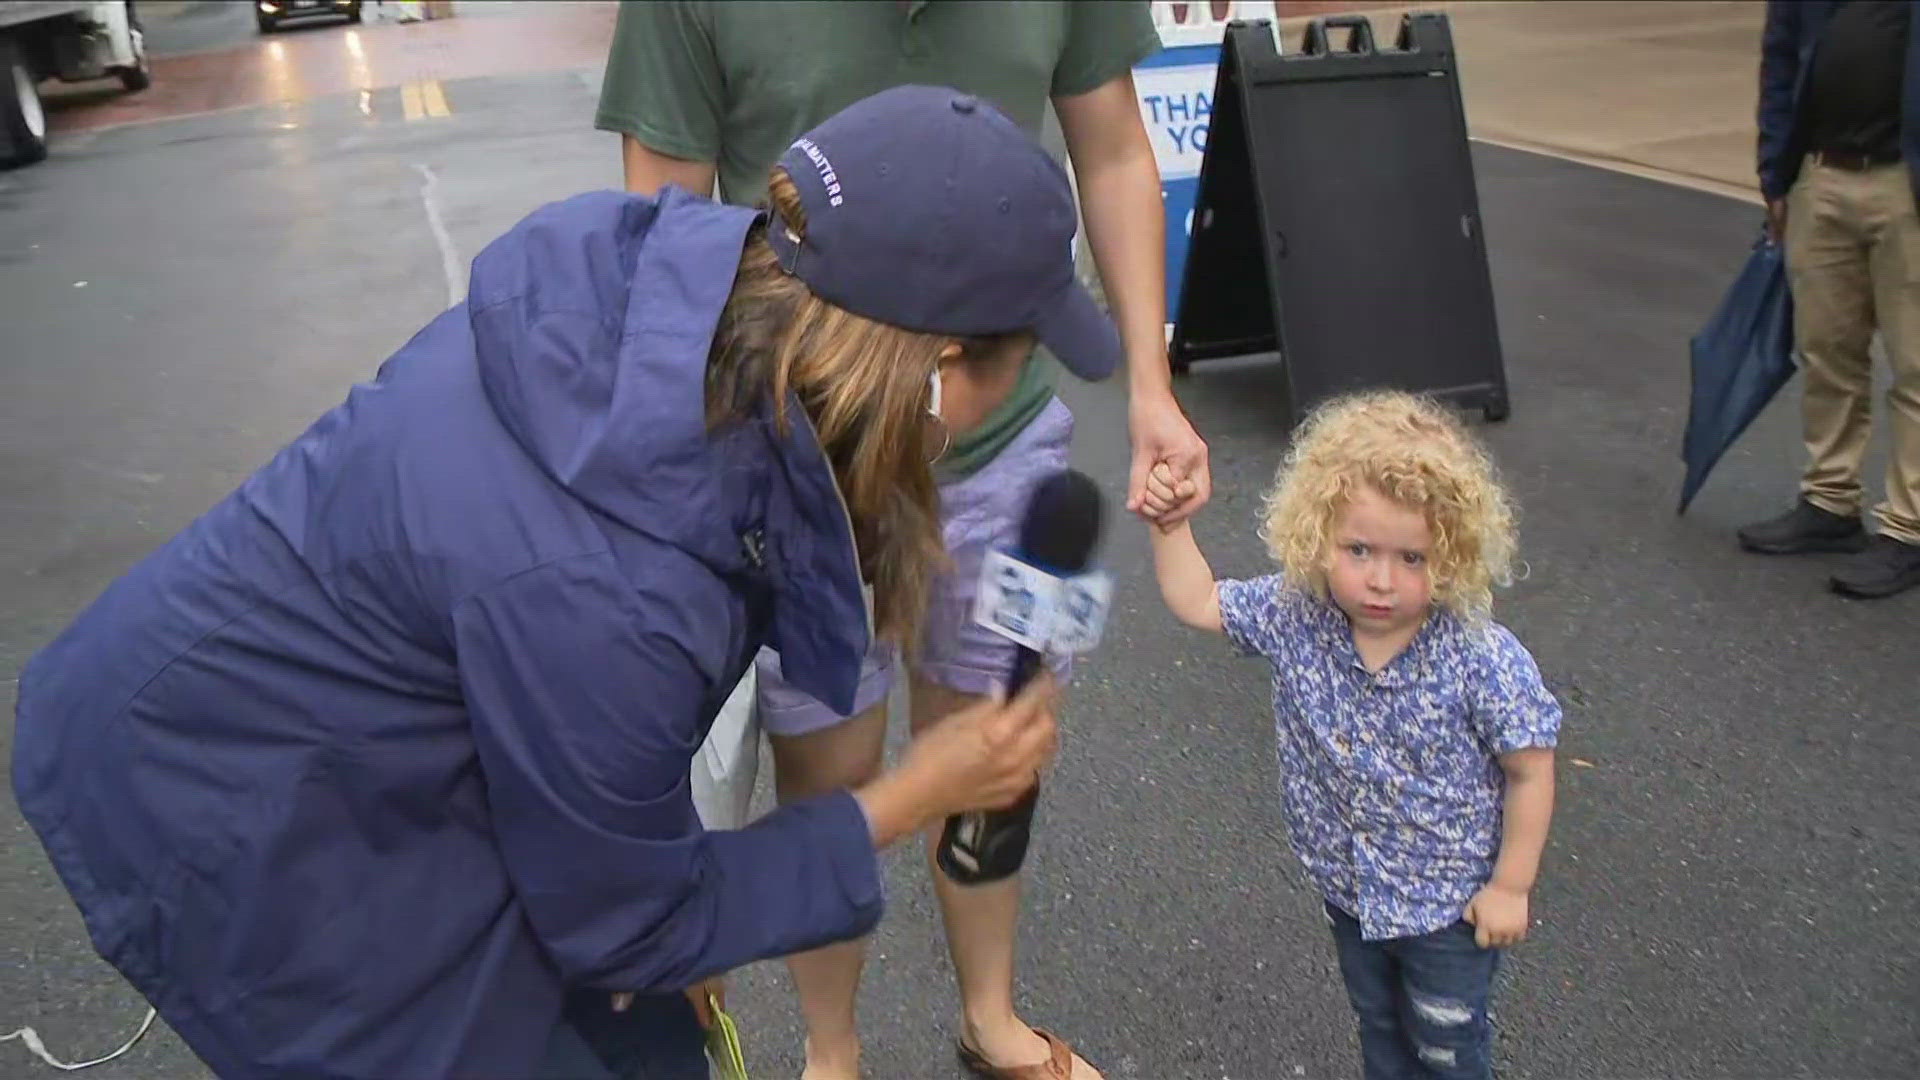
x=435, y=99
x=422, y=100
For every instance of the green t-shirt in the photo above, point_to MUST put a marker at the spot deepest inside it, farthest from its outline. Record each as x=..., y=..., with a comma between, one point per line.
x=734, y=82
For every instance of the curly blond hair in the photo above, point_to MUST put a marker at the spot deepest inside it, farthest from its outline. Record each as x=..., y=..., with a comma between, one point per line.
x=1415, y=453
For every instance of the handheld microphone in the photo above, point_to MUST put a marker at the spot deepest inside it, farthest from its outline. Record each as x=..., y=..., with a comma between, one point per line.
x=1058, y=536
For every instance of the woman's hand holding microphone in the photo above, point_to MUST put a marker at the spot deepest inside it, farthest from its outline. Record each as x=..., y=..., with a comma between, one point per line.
x=983, y=757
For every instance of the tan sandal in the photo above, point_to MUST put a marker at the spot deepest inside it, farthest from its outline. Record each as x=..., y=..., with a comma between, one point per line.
x=1058, y=1066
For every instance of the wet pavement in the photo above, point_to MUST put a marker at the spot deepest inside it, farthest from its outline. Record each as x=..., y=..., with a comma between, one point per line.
x=210, y=57
x=1729, y=892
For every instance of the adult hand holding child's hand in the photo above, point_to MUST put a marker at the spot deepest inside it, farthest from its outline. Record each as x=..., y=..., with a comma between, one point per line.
x=1166, y=496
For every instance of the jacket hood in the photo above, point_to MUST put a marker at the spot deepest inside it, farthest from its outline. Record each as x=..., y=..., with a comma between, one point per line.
x=592, y=320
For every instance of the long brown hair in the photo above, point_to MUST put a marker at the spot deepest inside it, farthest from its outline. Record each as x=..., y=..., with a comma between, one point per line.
x=866, y=387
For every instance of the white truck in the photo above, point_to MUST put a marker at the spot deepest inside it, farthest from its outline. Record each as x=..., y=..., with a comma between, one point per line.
x=69, y=40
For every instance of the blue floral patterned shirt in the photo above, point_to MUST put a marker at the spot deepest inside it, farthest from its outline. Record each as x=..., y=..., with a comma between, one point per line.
x=1390, y=782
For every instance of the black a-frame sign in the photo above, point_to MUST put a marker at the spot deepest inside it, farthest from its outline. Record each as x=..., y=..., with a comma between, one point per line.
x=1337, y=222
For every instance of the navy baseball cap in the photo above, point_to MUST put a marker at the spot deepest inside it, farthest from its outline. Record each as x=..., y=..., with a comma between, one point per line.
x=929, y=210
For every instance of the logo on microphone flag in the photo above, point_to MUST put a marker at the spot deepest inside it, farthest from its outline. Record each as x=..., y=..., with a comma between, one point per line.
x=1037, y=610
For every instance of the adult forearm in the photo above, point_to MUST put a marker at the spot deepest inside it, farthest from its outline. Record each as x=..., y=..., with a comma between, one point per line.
x=897, y=803
x=1779, y=73
x=1126, y=228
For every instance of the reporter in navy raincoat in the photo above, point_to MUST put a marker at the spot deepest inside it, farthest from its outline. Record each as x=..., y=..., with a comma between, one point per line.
x=379, y=769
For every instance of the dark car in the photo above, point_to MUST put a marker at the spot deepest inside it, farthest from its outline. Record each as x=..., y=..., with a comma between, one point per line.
x=271, y=13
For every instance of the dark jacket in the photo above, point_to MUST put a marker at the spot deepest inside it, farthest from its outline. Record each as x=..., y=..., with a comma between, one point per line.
x=356, y=774
x=1787, y=46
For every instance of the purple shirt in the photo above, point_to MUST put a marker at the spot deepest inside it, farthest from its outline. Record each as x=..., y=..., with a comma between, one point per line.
x=1390, y=782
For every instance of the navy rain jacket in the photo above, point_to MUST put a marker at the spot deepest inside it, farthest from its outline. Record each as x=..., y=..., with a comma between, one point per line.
x=354, y=776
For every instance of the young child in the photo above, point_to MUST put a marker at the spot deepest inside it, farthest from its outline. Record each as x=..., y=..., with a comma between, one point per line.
x=1415, y=736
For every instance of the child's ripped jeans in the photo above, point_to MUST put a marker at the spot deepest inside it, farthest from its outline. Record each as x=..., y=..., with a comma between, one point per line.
x=1421, y=1001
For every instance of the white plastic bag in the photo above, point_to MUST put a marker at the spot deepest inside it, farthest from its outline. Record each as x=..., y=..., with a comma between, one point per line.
x=727, y=764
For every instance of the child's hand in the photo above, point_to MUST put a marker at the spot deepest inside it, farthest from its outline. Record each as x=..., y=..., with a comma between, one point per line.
x=1499, y=917
x=1164, y=493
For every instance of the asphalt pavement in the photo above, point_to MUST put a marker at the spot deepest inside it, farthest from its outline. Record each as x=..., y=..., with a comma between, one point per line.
x=1730, y=889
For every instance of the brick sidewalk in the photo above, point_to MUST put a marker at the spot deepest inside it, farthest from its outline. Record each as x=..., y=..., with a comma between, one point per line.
x=1659, y=88
x=1663, y=88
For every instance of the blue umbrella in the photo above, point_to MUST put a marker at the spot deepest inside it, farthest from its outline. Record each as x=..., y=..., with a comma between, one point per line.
x=1741, y=358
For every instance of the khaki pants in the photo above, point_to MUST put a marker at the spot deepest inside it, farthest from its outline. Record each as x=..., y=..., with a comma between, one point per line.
x=1853, y=258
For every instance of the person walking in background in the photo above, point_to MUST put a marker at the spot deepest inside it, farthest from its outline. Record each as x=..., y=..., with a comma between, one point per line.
x=702, y=92
x=1839, y=121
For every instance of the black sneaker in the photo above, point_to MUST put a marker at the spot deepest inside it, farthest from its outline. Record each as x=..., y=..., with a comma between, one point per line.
x=1805, y=528
x=1886, y=567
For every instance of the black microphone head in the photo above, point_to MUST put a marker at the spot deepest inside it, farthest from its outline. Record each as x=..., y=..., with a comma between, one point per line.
x=1063, y=522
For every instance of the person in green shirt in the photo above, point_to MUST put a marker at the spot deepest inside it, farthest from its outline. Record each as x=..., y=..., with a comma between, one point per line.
x=707, y=96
